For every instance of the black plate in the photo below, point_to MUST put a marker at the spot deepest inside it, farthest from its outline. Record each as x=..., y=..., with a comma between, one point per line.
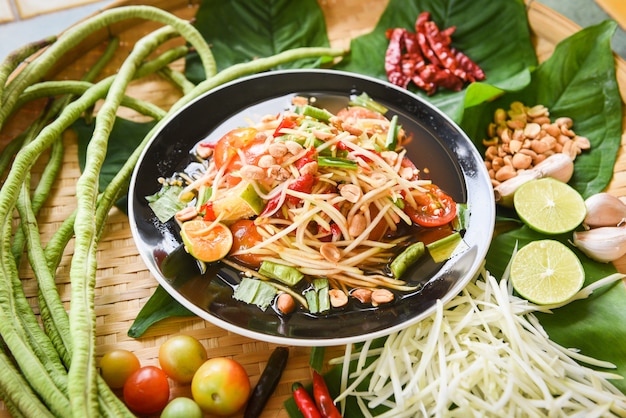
x=439, y=145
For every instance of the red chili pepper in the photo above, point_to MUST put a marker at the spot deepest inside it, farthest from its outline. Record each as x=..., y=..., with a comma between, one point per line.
x=303, y=184
x=393, y=58
x=304, y=402
x=323, y=400
x=270, y=206
x=426, y=58
x=207, y=145
x=285, y=123
x=207, y=209
x=308, y=157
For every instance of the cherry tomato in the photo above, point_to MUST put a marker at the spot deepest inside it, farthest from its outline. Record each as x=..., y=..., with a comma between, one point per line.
x=434, y=207
x=147, y=390
x=245, y=235
x=221, y=386
x=240, y=139
x=182, y=408
x=116, y=366
x=180, y=357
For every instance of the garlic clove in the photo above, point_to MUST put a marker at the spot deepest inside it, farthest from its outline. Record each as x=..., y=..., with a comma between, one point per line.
x=558, y=166
x=604, y=209
x=603, y=244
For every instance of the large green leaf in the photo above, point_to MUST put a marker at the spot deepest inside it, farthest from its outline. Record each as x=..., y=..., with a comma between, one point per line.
x=577, y=81
x=125, y=137
x=495, y=34
x=596, y=325
x=241, y=30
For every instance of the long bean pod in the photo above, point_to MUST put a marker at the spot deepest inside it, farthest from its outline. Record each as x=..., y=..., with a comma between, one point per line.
x=260, y=64
x=29, y=363
x=83, y=374
x=73, y=36
x=55, y=88
x=15, y=58
x=17, y=393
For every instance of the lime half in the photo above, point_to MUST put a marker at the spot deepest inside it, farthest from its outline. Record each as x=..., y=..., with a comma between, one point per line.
x=546, y=272
x=549, y=206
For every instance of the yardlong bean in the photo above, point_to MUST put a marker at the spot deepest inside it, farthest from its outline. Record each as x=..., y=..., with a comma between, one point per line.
x=83, y=373
x=70, y=339
x=18, y=56
x=37, y=69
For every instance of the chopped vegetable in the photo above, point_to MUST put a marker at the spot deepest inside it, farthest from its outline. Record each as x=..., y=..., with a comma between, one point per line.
x=317, y=296
x=256, y=292
x=444, y=248
x=286, y=274
x=364, y=100
x=407, y=258
x=165, y=202
x=316, y=112
x=484, y=354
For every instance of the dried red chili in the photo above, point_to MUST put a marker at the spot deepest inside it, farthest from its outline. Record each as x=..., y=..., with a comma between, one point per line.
x=427, y=58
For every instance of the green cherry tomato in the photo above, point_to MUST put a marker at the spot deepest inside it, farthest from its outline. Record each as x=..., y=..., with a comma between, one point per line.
x=221, y=386
x=116, y=366
x=147, y=390
x=180, y=357
x=182, y=408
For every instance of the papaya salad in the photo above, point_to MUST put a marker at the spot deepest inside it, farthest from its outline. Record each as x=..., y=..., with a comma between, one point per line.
x=315, y=208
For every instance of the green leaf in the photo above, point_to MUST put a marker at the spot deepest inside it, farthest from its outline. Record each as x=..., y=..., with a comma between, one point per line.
x=577, y=81
x=165, y=203
x=124, y=139
x=595, y=325
x=242, y=30
x=494, y=34
x=160, y=306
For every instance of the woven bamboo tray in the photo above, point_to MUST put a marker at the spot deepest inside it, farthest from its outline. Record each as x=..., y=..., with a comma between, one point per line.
x=123, y=281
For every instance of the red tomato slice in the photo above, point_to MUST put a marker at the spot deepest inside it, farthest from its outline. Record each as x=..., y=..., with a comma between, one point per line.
x=245, y=235
x=434, y=207
x=244, y=139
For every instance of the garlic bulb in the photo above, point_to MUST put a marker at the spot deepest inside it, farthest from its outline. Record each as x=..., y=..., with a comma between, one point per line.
x=558, y=166
x=604, y=209
x=604, y=244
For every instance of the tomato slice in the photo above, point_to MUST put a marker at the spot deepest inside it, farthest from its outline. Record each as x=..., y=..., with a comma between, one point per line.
x=245, y=235
x=434, y=207
x=244, y=139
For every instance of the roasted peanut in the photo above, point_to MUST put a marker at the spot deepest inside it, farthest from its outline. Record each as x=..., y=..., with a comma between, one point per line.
x=362, y=295
x=277, y=149
x=381, y=296
x=330, y=252
x=186, y=214
x=357, y=225
x=351, y=192
x=337, y=298
x=285, y=303
x=252, y=172
x=524, y=137
x=266, y=161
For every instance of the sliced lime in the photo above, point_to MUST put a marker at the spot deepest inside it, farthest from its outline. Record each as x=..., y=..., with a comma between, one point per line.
x=546, y=272
x=549, y=206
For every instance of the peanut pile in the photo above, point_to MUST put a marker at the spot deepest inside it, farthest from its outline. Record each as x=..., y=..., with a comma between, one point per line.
x=522, y=137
